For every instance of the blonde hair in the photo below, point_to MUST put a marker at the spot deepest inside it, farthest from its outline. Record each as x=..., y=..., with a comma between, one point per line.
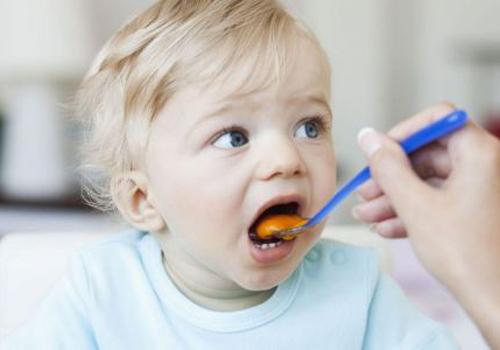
x=171, y=44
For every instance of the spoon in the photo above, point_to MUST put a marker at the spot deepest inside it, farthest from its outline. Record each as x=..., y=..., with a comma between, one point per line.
x=424, y=136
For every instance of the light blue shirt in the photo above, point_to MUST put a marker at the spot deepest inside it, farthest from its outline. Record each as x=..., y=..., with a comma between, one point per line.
x=117, y=295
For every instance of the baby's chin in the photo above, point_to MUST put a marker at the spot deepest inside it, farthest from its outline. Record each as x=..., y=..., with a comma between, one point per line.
x=265, y=279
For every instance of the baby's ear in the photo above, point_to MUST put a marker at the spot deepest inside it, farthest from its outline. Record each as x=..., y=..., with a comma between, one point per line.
x=134, y=200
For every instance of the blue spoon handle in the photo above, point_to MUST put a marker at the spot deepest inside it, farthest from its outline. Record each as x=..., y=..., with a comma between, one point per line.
x=424, y=136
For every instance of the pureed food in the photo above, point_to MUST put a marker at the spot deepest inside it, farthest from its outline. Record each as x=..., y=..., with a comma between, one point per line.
x=272, y=224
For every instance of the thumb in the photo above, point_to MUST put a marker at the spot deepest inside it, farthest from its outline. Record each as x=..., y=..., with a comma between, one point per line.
x=392, y=171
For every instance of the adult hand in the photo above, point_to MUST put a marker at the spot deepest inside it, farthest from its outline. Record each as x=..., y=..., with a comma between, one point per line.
x=446, y=200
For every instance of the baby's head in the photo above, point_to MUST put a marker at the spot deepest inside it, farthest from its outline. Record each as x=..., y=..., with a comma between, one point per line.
x=203, y=115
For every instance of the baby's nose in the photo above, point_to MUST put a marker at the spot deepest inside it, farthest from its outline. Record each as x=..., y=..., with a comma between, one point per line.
x=279, y=157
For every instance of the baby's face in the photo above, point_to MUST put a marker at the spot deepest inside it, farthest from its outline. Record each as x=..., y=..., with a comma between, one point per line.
x=216, y=160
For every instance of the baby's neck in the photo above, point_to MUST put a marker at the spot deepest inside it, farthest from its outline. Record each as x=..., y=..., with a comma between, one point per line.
x=212, y=293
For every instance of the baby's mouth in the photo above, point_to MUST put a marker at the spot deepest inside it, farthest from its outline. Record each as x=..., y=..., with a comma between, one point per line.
x=291, y=208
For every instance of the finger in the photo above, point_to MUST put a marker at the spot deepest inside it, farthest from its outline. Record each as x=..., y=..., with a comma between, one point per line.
x=471, y=147
x=420, y=120
x=392, y=228
x=392, y=170
x=376, y=210
x=370, y=190
x=432, y=161
x=435, y=182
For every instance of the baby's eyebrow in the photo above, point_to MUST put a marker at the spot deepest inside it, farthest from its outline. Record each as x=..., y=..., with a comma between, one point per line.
x=222, y=108
x=302, y=99
x=230, y=105
x=242, y=103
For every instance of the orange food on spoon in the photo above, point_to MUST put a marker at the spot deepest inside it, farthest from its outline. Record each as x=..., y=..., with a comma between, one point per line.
x=271, y=224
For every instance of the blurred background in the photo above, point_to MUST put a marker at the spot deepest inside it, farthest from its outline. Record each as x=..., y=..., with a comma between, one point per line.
x=390, y=59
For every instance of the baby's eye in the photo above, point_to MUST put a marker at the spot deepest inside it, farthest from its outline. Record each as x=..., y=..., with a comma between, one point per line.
x=231, y=139
x=308, y=129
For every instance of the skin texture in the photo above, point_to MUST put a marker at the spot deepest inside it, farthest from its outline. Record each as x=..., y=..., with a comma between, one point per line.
x=446, y=200
x=209, y=195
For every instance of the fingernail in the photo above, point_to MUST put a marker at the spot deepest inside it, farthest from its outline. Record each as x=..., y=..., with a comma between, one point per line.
x=369, y=141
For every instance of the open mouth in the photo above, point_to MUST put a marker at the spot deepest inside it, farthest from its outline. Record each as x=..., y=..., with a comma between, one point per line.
x=291, y=208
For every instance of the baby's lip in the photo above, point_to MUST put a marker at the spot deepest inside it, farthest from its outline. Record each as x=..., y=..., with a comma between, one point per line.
x=281, y=199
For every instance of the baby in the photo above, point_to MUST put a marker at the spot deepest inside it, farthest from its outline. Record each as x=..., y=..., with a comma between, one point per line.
x=206, y=116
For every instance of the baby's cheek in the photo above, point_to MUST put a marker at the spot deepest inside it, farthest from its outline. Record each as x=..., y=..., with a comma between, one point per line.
x=325, y=183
